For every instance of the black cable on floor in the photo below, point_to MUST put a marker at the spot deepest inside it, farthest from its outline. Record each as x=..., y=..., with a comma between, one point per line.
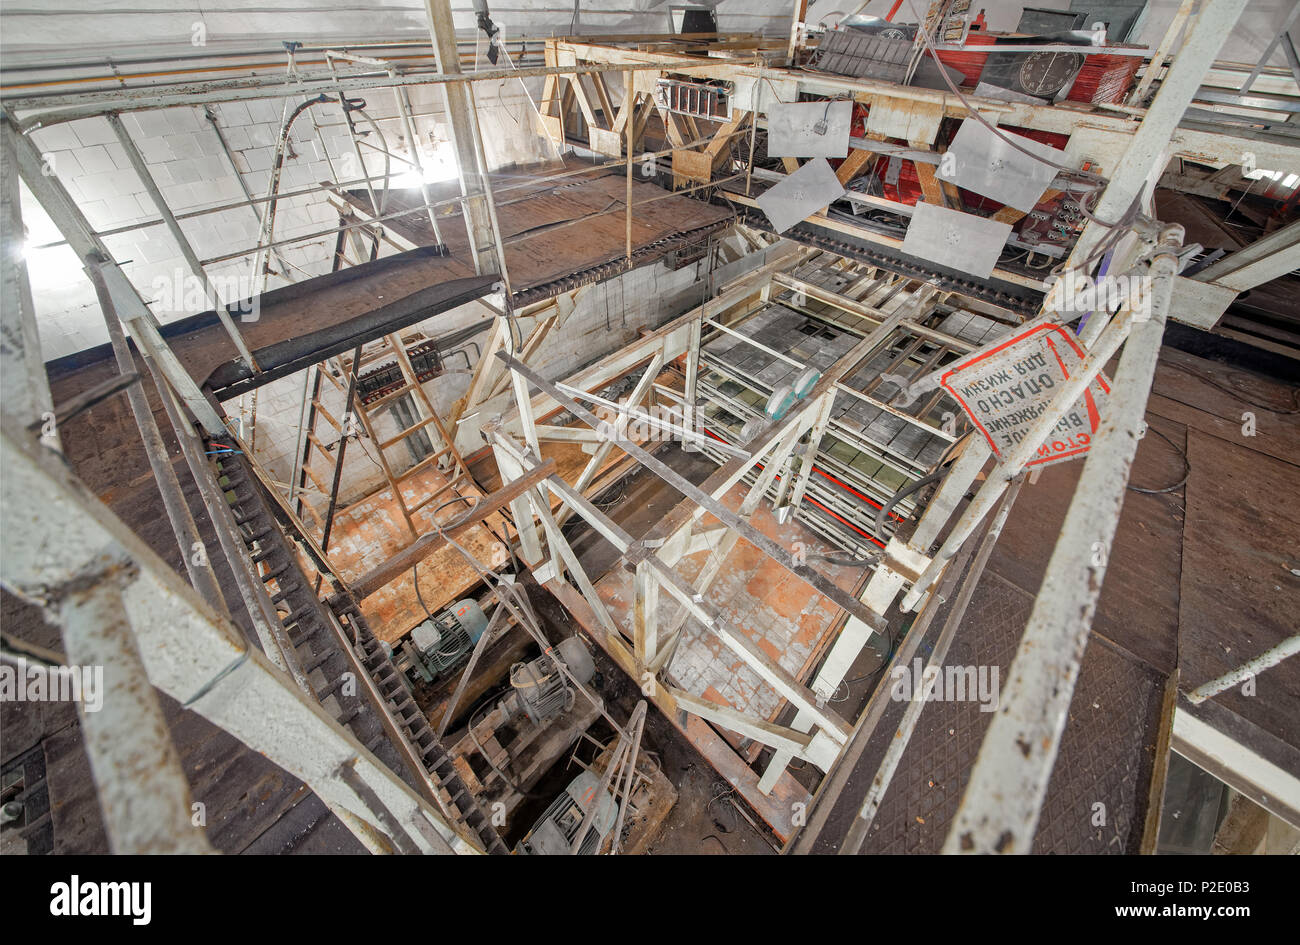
x=1232, y=392
x=1187, y=468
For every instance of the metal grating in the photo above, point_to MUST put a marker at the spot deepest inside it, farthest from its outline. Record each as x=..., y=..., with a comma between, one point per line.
x=927, y=787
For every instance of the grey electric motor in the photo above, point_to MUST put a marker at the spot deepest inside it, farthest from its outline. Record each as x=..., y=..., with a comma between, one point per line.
x=540, y=690
x=557, y=829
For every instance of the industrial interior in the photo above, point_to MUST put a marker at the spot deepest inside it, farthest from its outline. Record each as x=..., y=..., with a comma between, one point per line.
x=732, y=427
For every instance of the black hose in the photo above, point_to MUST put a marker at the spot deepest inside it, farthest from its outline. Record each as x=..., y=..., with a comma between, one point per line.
x=902, y=494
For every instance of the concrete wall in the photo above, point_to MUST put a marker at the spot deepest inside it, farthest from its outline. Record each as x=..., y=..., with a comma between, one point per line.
x=607, y=317
x=185, y=159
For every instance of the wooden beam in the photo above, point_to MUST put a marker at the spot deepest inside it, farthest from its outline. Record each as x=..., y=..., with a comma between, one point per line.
x=427, y=544
x=929, y=183
x=580, y=93
x=1012, y=215
x=853, y=164
x=482, y=374
x=722, y=137
x=535, y=339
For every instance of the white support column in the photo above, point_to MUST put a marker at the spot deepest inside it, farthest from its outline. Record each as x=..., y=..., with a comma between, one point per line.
x=1262, y=261
x=521, y=510
x=131, y=308
x=563, y=555
x=24, y=387
x=194, y=655
x=142, y=789
x=815, y=435
x=692, y=381
x=646, y=614
x=1000, y=809
x=1148, y=152
x=469, y=146
x=592, y=469
x=815, y=748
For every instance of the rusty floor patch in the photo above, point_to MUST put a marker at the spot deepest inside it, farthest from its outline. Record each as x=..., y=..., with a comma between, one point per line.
x=369, y=532
x=785, y=617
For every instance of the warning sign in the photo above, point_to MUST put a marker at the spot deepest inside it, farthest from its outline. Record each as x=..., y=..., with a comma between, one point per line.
x=1005, y=389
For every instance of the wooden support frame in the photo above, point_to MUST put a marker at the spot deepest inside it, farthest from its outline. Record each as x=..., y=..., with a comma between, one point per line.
x=652, y=569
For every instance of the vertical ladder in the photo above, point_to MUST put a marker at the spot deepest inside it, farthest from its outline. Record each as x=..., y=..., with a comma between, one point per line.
x=446, y=457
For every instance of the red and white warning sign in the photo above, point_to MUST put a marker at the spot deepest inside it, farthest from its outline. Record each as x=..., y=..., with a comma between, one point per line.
x=1005, y=389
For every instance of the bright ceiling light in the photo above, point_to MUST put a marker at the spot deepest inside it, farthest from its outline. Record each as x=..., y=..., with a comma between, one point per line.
x=439, y=164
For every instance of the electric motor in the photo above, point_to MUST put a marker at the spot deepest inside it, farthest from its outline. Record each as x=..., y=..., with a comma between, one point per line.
x=540, y=689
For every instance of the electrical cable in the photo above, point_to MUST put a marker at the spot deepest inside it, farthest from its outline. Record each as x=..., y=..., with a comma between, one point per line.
x=847, y=562
x=1187, y=468
x=883, y=512
x=943, y=72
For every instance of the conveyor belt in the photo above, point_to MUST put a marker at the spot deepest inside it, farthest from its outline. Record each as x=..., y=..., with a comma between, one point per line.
x=328, y=666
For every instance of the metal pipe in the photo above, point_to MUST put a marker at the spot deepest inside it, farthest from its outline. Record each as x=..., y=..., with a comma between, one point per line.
x=88, y=104
x=243, y=184
x=637, y=724
x=404, y=105
x=143, y=793
x=273, y=185
x=629, y=91
x=343, y=445
x=1270, y=657
x=178, y=511
x=187, y=251
x=615, y=761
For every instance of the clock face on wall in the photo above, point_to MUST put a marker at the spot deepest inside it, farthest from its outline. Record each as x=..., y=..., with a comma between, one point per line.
x=1045, y=73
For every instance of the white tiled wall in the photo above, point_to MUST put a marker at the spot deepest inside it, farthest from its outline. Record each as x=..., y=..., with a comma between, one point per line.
x=607, y=317
x=185, y=159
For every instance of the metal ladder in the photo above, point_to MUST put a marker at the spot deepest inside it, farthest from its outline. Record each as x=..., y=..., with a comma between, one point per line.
x=437, y=763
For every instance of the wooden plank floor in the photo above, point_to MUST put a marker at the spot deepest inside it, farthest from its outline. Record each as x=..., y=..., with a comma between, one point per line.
x=368, y=532
x=1198, y=580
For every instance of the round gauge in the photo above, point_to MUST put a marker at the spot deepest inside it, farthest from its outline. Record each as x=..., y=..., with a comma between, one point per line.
x=893, y=34
x=1045, y=73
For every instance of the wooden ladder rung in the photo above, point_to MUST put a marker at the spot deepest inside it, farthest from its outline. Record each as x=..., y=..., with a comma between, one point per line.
x=432, y=457
x=329, y=376
x=329, y=417
x=315, y=480
x=407, y=432
x=392, y=395
x=416, y=468
x=315, y=441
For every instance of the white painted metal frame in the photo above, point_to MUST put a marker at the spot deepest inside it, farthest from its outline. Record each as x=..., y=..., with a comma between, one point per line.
x=77, y=549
